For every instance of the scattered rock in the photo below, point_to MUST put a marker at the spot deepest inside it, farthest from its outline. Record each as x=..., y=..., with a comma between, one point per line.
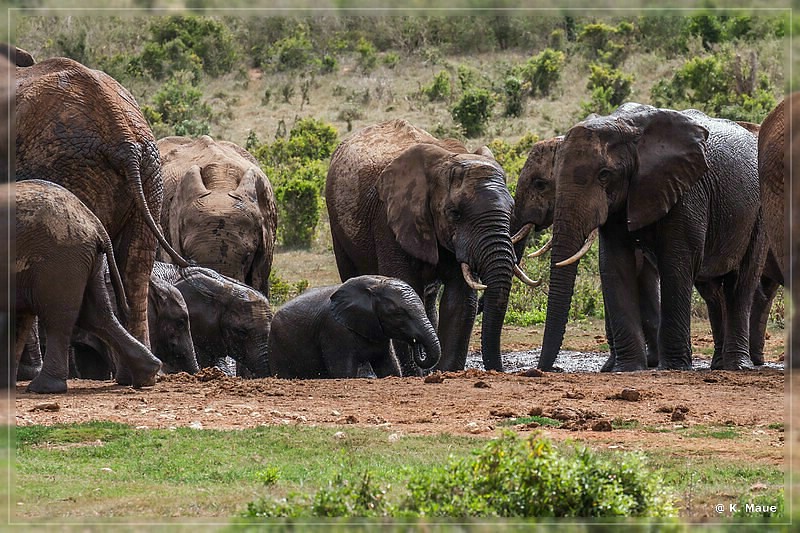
x=394, y=437
x=196, y=425
x=678, y=415
x=336, y=413
x=210, y=374
x=49, y=406
x=602, y=425
x=535, y=411
x=664, y=409
x=106, y=469
x=473, y=427
x=758, y=486
x=532, y=373
x=436, y=377
x=502, y=413
x=531, y=425
x=630, y=395
x=564, y=414
x=350, y=419
x=481, y=385
x=339, y=435
x=710, y=380
x=575, y=395
x=682, y=408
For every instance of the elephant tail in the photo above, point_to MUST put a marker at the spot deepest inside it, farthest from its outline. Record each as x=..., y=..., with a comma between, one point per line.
x=134, y=175
x=116, y=279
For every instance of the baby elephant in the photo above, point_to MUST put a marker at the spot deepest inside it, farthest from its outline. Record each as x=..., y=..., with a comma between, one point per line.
x=170, y=334
x=61, y=253
x=329, y=332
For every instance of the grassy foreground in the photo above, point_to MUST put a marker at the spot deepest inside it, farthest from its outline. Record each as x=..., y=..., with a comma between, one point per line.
x=104, y=471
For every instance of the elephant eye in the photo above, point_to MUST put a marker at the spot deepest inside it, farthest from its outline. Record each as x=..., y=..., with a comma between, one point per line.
x=454, y=214
x=604, y=176
x=540, y=184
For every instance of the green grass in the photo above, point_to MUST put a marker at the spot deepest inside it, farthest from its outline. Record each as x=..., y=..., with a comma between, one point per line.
x=620, y=423
x=541, y=420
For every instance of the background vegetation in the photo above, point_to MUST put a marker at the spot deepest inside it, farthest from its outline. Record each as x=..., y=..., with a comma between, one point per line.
x=289, y=88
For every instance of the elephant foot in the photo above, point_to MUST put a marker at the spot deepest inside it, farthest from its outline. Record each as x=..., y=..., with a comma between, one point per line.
x=628, y=368
x=556, y=369
x=737, y=361
x=675, y=364
x=609, y=364
x=42, y=384
x=27, y=372
x=757, y=359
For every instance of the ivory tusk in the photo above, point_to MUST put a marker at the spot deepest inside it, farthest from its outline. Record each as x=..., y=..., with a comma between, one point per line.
x=522, y=233
x=467, y=272
x=543, y=250
x=524, y=278
x=588, y=244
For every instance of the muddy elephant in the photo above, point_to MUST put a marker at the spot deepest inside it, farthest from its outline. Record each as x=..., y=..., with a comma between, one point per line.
x=227, y=317
x=62, y=250
x=534, y=205
x=219, y=208
x=81, y=129
x=404, y=204
x=328, y=332
x=683, y=187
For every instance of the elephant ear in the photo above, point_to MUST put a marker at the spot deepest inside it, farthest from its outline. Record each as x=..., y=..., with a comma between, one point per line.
x=405, y=188
x=190, y=188
x=259, y=190
x=485, y=152
x=352, y=307
x=671, y=153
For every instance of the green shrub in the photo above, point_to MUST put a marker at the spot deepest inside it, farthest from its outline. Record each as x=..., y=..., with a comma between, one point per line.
x=281, y=291
x=507, y=477
x=543, y=70
x=367, y=55
x=390, y=59
x=310, y=139
x=514, y=99
x=291, y=53
x=610, y=88
x=473, y=110
x=439, y=89
x=299, y=208
x=73, y=46
x=605, y=43
x=720, y=85
x=160, y=60
x=328, y=64
x=512, y=156
x=178, y=105
x=467, y=77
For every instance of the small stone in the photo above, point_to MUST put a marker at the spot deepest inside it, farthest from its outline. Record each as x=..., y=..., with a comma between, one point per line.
x=502, y=413
x=758, y=486
x=336, y=413
x=481, y=385
x=564, y=413
x=106, y=469
x=394, y=437
x=196, y=425
x=535, y=411
x=532, y=373
x=575, y=395
x=710, y=380
x=601, y=425
x=678, y=415
x=473, y=427
x=339, y=435
x=531, y=425
x=350, y=419
x=436, y=377
x=664, y=409
x=630, y=395
x=682, y=408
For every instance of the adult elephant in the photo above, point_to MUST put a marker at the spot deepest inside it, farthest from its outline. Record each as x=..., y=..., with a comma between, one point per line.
x=61, y=253
x=774, y=149
x=404, y=204
x=329, y=332
x=227, y=317
x=219, y=208
x=81, y=129
x=684, y=188
x=534, y=206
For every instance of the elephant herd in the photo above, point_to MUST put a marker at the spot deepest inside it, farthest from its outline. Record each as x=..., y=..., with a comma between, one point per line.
x=136, y=256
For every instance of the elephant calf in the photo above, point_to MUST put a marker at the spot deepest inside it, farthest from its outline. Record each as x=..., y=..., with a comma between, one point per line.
x=329, y=332
x=61, y=253
x=227, y=318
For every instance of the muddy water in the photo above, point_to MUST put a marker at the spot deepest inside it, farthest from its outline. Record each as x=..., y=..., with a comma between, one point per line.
x=570, y=361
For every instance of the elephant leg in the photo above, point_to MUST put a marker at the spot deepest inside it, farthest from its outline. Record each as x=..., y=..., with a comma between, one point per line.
x=649, y=307
x=674, y=331
x=611, y=361
x=621, y=298
x=344, y=264
x=136, y=365
x=31, y=361
x=52, y=378
x=341, y=363
x=759, y=315
x=711, y=292
x=432, y=303
x=386, y=366
x=457, y=313
x=23, y=326
x=135, y=251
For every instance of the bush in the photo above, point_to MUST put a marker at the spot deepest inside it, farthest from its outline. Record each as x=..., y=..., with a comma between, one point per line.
x=605, y=43
x=508, y=477
x=367, y=55
x=439, y=89
x=543, y=71
x=281, y=291
x=299, y=207
x=291, y=53
x=514, y=99
x=177, y=104
x=610, y=88
x=473, y=110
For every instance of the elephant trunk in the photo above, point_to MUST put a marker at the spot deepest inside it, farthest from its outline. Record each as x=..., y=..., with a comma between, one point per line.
x=256, y=358
x=430, y=343
x=495, y=268
x=559, y=297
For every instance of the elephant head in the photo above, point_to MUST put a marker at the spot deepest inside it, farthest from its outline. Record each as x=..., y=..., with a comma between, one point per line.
x=170, y=334
x=227, y=318
x=457, y=204
x=635, y=163
x=535, y=198
x=377, y=307
x=223, y=229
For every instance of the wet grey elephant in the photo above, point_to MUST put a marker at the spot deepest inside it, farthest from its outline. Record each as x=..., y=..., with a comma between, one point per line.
x=534, y=205
x=328, y=332
x=407, y=205
x=62, y=251
x=227, y=317
x=684, y=188
x=79, y=128
x=219, y=208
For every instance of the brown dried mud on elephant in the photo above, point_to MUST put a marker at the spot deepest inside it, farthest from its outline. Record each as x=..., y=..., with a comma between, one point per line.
x=62, y=252
x=219, y=208
x=407, y=205
x=81, y=129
